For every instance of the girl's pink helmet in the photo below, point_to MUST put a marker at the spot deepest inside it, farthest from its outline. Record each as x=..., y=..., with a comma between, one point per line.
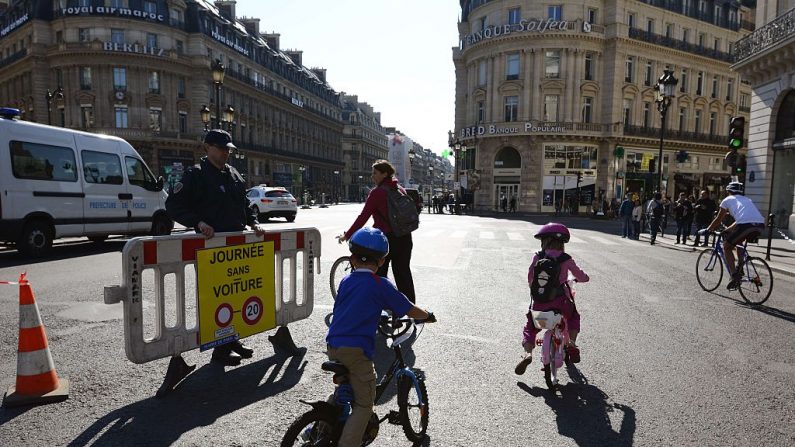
x=554, y=230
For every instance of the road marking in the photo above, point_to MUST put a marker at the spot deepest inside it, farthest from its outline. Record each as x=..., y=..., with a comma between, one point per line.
x=515, y=236
x=431, y=233
x=486, y=235
x=458, y=234
x=576, y=240
x=473, y=338
x=602, y=240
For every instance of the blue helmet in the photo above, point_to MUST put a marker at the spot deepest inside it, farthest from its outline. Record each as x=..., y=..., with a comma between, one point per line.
x=369, y=244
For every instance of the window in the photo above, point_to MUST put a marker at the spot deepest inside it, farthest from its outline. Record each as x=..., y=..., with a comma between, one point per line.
x=682, y=119
x=138, y=173
x=629, y=72
x=699, y=82
x=631, y=19
x=118, y=3
x=744, y=100
x=718, y=15
x=84, y=3
x=669, y=30
x=512, y=67
x=730, y=90
x=552, y=63
x=589, y=68
x=179, y=46
x=176, y=16
x=716, y=46
x=121, y=117
x=591, y=15
x=551, y=108
x=59, y=37
x=42, y=162
x=102, y=168
x=627, y=111
x=647, y=76
x=555, y=12
x=701, y=40
x=587, y=110
x=511, y=108
x=481, y=112
x=151, y=40
x=697, y=120
x=646, y=114
x=714, y=87
x=120, y=78
x=86, y=116
x=685, y=35
x=83, y=34
x=181, y=88
x=712, y=117
x=117, y=36
x=683, y=81
x=183, y=122
x=482, y=73
x=85, y=78
x=514, y=16
x=650, y=26
x=155, y=119
x=150, y=7
x=154, y=82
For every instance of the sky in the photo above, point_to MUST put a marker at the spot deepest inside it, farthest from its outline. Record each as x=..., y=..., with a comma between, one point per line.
x=396, y=55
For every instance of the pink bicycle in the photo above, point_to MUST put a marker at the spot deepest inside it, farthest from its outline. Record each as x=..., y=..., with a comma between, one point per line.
x=553, y=338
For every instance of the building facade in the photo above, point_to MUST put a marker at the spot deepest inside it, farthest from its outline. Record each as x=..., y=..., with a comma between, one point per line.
x=364, y=141
x=142, y=70
x=765, y=59
x=556, y=102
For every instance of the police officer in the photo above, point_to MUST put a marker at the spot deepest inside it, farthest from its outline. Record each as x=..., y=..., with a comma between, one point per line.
x=210, y=198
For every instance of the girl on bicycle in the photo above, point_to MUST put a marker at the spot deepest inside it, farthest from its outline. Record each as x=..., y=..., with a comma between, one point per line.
x=553, y=237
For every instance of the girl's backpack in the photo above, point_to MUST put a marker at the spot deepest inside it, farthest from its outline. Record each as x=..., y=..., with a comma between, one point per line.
x=546, y=285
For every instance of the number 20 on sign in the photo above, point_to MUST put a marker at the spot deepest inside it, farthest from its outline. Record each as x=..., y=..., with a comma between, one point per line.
x=236, y=287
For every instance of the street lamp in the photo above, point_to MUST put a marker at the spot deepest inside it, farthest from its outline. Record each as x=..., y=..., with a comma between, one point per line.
x=229, y=117
x=218, y=70
x=336, y=187
x=412, y=154
x=304, y=205
x=359, y=190
x=205, y=114
x=49, y=96
x=666, y=86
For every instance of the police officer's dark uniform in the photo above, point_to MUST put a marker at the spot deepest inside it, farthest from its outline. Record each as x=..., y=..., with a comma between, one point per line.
x=217, y=198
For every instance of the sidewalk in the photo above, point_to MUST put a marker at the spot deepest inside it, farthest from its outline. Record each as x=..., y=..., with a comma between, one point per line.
x=782, y=251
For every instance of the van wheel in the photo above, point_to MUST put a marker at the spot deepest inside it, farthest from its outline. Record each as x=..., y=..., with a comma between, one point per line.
x=161, y=226
x=291, y=218
x=98, y=239
x=36, y=239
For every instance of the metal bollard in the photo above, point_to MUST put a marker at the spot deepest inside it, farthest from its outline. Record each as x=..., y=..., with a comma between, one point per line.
x=770, y=220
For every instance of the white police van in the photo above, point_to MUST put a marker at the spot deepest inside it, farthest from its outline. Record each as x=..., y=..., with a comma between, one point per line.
x=57, y=182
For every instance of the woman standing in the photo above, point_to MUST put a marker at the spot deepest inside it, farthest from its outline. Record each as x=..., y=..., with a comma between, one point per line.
x=399, y=247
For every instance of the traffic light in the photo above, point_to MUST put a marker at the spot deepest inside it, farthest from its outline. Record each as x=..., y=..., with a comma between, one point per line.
x=731, y=158
x=739, y=169
x=653, y=165
x=736, y=132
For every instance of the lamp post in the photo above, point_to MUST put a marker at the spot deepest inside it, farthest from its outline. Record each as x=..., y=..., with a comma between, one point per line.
x=205, y=114
x=304, y=205
x=430, y=174
x=229, y=117
x=359, y=190
x=412, y=154
x=336, y=187
x=50, y=96
x=666, y=86
x=218, y=70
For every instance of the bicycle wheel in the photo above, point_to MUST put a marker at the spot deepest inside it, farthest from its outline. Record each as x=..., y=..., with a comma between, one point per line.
x=757, y=281
x=709, y=269
x=340, y=268
x=413, y=415
x=312, y=428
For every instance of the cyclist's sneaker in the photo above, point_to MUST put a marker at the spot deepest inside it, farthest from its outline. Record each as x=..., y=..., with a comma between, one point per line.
x=734, y=284
x=573, y=353
x=521, y=367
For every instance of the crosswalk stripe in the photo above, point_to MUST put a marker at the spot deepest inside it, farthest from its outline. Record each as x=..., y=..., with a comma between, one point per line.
x=486, y=235
x=515, y=236
x=603, y=240
x=576, y=240
x=458, y=234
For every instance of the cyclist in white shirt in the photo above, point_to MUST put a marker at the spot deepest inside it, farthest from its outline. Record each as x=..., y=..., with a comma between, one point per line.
x=748, y=225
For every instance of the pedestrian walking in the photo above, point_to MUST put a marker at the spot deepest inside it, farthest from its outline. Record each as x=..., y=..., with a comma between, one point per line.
x=625, y=212
x=504, y=203
x=211, y=198
x=704, y=209
x=513, y=203
x=667, y=207
x=682, y=211
x=655, y=212
x=637, y=215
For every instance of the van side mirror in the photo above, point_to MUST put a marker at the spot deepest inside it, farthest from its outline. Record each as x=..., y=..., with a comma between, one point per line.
x=159, y=184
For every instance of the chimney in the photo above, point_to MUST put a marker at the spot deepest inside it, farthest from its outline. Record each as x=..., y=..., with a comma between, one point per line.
x=227, y=8
x=320, y=73
x=251, y=24
x=295, y=55
x=272, y=39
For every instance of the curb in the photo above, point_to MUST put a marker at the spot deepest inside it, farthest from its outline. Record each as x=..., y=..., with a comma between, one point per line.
x=773, y=267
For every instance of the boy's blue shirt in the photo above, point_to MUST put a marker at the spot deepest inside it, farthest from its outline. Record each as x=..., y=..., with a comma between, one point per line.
x=360, y=299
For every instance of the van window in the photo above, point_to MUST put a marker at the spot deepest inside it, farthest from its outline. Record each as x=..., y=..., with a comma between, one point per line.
x=42, y=162
x=138, y=174
x=102, y=168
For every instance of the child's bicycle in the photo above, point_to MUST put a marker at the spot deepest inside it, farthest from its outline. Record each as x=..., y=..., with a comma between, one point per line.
x=341, y=267
x=756, y=283
x=323, y=424
x=553, y=338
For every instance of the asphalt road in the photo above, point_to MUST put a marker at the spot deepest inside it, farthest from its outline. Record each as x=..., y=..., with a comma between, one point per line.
x=663, y=363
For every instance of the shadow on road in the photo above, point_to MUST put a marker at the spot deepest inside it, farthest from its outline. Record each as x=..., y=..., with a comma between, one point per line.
x=383, y=358
x=66, y=250
x=767, y=310
x=205, y=396
x=583, y=412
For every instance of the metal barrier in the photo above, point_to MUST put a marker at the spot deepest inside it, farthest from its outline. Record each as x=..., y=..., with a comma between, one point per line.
x=171, y=254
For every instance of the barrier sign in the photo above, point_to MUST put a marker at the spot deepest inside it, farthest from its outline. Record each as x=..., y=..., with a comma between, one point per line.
x=236, y=292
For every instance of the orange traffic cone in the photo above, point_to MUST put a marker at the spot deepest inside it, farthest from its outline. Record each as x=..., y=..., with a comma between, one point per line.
x=37, y=381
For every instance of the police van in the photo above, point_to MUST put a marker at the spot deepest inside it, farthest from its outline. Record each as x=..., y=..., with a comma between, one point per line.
x=57, y=182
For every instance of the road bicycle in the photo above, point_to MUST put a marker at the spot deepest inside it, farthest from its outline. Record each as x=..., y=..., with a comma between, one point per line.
x=323, y=424
x=339, y=269
x=553, y=338
x=756, y=282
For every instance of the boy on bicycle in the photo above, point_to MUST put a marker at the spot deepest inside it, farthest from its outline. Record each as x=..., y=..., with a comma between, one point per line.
x=748, y=225
x=361, y=297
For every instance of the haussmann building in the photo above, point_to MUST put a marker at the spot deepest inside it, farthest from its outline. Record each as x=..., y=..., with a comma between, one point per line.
x=556, y=103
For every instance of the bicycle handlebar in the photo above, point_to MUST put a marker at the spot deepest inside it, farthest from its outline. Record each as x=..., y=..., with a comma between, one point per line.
x=400, y=326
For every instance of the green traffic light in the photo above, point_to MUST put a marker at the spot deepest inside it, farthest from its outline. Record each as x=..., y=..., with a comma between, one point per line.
x=735, y=143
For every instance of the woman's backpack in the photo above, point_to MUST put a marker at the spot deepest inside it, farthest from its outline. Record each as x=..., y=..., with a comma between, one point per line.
x=401, y=212
x=546, y=285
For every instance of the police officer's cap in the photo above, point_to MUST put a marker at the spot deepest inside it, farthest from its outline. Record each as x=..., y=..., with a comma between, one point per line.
x=220, y=138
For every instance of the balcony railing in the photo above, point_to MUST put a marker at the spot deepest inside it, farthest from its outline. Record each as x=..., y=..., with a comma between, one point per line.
x=707, y=15
x=768, y=36
x=670, y=134
x=13, y=57
x=657, y=39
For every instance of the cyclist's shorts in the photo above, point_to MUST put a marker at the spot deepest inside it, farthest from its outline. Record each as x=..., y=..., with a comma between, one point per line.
x=745, y=232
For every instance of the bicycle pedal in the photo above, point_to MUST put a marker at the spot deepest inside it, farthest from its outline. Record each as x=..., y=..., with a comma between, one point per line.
x=394, y=417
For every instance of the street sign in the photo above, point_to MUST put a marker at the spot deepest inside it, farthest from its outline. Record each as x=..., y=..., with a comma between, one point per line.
x=236, y=286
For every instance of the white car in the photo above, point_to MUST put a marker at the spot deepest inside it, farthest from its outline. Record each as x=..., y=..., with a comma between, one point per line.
x=272, y=202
